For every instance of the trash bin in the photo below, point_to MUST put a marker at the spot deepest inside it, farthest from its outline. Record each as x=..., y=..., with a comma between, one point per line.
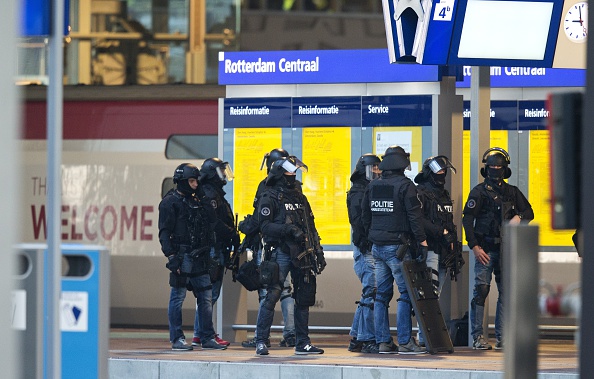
x=83, y=310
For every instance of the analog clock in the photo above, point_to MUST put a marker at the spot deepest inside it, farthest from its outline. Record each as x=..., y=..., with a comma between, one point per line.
x=575, y=22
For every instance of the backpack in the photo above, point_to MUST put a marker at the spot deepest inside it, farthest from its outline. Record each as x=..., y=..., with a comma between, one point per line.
x=458, y=329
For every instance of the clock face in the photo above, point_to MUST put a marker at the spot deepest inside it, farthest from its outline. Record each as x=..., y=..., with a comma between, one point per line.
x=575, y=22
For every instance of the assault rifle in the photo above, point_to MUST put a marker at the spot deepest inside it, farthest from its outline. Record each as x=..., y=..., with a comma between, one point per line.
x=452, y=259
x=311, y=243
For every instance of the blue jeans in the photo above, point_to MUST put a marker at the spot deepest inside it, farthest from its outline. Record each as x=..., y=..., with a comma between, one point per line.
x=433, y=264
x=388, y=269
x=483, y=274
x=216, y=291
x=363, y=328
x=273, y=294
x=203, y=293
x=287, y=302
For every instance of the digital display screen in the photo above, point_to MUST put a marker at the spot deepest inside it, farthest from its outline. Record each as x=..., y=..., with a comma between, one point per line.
x=505, y=30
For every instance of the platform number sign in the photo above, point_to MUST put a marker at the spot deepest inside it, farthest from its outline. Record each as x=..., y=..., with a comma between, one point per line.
x=443, y=10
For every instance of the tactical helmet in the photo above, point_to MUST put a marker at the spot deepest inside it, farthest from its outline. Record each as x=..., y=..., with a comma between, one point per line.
x=395, y=158
x=496, y=156
x=182, y=173
x=432, y=166
x=367, y=167
x=273, y=156
x=214, y=168
x=284, y=165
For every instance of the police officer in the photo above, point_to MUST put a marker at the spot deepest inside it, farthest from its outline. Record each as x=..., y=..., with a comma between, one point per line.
x=291, y=244
x=186, y=239
x=392, y=216
x=438, y=219
x=362, y=329
x=489, y=205
x=214, y=174
x=286, y=300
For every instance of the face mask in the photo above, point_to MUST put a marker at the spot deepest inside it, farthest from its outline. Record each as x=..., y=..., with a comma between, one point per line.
x=439, y=179
x=495, y=173
x=291, y=179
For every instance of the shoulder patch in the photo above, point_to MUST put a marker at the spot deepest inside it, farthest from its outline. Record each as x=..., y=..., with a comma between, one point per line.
x=471, y=203
x=213, y=203
x=265, y=211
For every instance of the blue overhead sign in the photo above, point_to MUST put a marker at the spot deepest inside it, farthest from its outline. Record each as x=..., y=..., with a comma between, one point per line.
x=318, y=67
x=35, y=18
x=258, y=112
x=326, y=111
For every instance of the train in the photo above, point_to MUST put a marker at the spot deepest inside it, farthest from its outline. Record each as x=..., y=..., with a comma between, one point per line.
x=120, y=147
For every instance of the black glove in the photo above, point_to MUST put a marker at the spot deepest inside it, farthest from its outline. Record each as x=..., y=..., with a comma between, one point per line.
x=422, y=254
x=449, y=238
x=294, y=232
x=174, y=263
x=321, y=261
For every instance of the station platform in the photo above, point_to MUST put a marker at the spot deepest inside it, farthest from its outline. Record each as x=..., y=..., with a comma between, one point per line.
x=147, y=354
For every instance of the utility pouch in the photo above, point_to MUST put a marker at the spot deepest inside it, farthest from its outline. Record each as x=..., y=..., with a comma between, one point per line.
x=187, y=264
x=215, y=270
x=305, y=290
x=249, y=275
x=268, y=273
x=177, y=281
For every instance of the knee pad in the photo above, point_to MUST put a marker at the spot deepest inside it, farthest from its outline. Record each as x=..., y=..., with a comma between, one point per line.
x=482, y=290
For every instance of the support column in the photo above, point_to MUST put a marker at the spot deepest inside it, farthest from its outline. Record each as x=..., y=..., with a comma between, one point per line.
x=480, y=126
x=520, y=284
x=447, y=134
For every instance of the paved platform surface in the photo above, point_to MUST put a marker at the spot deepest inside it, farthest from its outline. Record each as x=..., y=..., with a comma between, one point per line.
x=148, y=354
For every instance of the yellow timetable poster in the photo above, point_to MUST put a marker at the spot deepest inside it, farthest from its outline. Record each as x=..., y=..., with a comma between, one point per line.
x=327, y=153
x=539, y=190
x=498, y=138
x=250, y=146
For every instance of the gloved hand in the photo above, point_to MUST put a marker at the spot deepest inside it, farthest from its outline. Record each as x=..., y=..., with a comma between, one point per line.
x=295, y=233
x=174, y=263
x=422, y=254
x=321, y=261
x=449, y=238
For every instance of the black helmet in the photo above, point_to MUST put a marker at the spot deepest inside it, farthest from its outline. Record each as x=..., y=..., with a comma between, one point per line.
x=395, y=158
x=365, y=167
x=432, y=166
x=215, y=169
x=182, y=173
x=496, y=156
x=284, y=165
x=273, y=156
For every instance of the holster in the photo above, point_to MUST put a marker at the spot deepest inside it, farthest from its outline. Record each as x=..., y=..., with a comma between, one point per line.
x=305, y=289
x=177, y=281
x=269, y=273
x=215, y=270
x=404, y=246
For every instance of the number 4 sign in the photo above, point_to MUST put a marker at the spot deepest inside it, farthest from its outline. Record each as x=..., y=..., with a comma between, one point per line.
x=443, y=10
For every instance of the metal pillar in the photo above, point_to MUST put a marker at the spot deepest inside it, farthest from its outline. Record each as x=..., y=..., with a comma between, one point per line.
x=520, y=282
x=587, y=328
x=9, y=220
x=480, y=126
x=54, y=195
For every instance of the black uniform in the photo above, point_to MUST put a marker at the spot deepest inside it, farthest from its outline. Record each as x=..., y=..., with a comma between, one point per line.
x=486, y=204
x=186, y=239
x=291, y=240
x=391, y=210
x=354, y=200
x=438, y=210
x=224, y=225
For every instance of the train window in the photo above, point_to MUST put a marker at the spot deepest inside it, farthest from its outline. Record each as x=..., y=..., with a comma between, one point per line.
x=166, y=186
x=191, y=146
